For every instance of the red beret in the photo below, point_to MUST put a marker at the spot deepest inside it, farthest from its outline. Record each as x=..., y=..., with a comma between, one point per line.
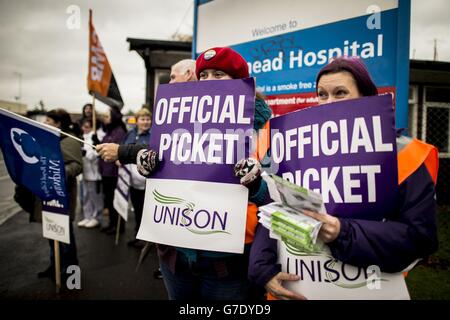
x=224, y=59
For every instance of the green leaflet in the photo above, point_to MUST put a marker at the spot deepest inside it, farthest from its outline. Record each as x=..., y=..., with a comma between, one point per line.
x=293, y=241
x=293, y=223
x=300, y=236
x=288, y=184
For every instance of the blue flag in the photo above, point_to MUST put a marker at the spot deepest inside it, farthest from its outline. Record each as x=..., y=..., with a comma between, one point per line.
x=33, y=158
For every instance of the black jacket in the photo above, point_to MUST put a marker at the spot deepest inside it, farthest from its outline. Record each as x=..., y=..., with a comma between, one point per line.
x=128, y=152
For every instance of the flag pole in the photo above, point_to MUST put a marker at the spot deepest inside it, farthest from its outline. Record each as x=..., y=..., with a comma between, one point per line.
x=57, y=266
x=118, y=229
x=44, y=125
x=78, y=139
x=94, y=118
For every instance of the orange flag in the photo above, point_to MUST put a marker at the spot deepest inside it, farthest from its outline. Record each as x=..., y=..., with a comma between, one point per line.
x=101, y=82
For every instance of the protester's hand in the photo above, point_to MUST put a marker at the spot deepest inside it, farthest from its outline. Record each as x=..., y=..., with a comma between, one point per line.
x=95, y=139
x=108, y=151
x=147, y=162
x=249, y=172
x=330, y=228
x=275, y=288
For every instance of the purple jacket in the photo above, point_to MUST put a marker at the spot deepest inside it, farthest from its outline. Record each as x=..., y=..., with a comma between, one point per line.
x=408, y=233
x=116, y=135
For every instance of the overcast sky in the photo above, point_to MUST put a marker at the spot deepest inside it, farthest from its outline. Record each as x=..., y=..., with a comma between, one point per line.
x=35, y=42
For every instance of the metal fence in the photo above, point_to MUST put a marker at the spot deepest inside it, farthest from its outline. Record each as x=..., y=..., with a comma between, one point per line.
x=430, y=122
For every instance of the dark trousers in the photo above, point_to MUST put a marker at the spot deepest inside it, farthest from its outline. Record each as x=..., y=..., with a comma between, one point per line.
x=210, y=278
x=137, y=200
x=67, y=252
x=109, y=185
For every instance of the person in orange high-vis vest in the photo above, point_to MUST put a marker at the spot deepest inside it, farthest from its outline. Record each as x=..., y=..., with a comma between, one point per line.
x=197, y=274
x=405, y=235
x=205, y=275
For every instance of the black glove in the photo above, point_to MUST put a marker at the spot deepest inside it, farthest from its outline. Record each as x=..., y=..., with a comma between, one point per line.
x=249, y=172
x=83, y=152
x=147, y=162
x=95, y=140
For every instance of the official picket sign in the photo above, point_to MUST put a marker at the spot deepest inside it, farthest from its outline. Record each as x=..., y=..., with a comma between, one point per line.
x=346, y=151
x=32, y=149
x=325, y=278
x=122, y=192
x=200, y=129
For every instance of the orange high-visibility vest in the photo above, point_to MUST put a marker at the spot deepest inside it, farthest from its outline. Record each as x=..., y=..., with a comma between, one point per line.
x=411, y=153
x=262, y=146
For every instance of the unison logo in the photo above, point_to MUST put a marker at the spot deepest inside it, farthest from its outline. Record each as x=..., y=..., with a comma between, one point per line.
x=26, y=145
x=54, y=227
x=179, y=212
x=312, y=266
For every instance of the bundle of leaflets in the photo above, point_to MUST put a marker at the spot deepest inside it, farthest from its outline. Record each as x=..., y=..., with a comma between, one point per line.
x=284, y=217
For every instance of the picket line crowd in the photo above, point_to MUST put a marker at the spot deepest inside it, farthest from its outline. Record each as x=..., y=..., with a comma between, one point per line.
x=406, y=233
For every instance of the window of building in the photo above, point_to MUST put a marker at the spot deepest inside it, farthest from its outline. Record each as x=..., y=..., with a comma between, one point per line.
x=438, y=94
